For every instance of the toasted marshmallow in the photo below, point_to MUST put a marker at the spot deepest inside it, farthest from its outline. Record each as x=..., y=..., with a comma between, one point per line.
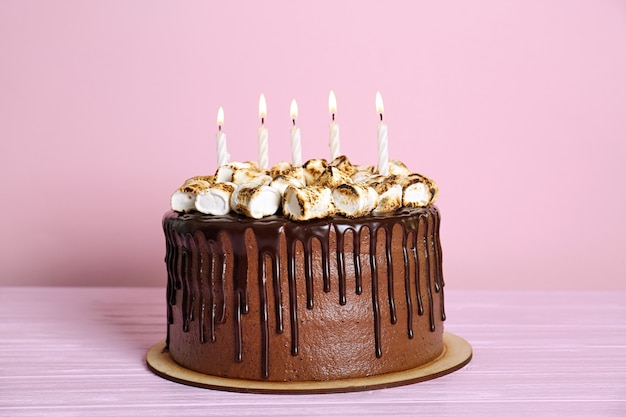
x=398, y=168
x=215, y=199
x=280, y=168
x=382, y=183
x=182, y=201
x=354, y=200
x=251, y=176
x=389, y=200
x=363, y=173
x=315, y=190
x=418, y=191
x=344, y=165
x=256, y=201
x=308, y=203
x=416, y=195
x=434, y=191
x=281, y=182
x=206, y=178
x=225, y=172
x=313, y=168
x=389, y=193
x=298, y=174
x=333, y=177
x=184, y=198
x=372, y=200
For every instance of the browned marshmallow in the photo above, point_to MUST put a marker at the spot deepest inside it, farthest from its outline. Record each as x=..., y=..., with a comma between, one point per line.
x=333, y=177
x=281, y=183
x=225, y=172
x=418, y=191
x=389, y=192
x=215, y=199
x=344, y=165
x=254, y=200
x=205, y=178
x=354, y=200
x=251, y=176
x=281, y=168
x=184, y=199
x=308, y=203
x=313, y=168
x=363, y=173
x=398, y=168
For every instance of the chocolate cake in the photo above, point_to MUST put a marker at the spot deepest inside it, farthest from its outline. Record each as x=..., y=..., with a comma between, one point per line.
x=323, y=272
x=278, y=300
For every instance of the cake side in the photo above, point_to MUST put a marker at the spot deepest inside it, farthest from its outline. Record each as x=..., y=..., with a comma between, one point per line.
x=277, y=300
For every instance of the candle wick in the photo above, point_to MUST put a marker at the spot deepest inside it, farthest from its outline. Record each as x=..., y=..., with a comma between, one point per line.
x=381, y=117
x=263, y=119
x=293, y=121
x=219, y=127
x=333, y=117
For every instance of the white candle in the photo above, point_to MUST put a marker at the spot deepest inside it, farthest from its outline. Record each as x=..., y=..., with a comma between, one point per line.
x=334, y=127
x=383, y=152
x=222, y=153
x=296, y=147
x=263, y=134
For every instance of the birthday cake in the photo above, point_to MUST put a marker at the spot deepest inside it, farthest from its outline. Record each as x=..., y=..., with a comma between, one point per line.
x=321, y=272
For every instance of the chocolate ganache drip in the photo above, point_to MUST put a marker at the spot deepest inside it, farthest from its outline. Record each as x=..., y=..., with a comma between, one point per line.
x=198, y=278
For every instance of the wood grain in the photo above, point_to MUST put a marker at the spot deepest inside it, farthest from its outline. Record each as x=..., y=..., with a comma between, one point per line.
x=81, y=352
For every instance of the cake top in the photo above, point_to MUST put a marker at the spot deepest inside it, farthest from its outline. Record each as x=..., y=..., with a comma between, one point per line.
x=317, y=189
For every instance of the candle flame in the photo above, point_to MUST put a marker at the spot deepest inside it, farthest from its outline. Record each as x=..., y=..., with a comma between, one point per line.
x=262, y=107
x=380, y=109
x=220, y=117
x=332, y=102
x=293, y=109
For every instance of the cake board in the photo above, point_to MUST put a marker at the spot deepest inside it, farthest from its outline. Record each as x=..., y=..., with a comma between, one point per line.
x=457, y=353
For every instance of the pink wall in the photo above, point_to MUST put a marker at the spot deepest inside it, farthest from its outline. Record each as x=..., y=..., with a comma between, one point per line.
x=517, y=109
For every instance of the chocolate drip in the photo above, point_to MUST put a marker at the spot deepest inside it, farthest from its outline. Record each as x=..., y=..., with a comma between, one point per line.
x=308, y=272
x=238, y=331
x=407, y=288
x=186, y=293
x=340, y=231
x=358, y=280
x=416, y=272
x=325, y=264
x=268, y=242
x=265, y=341
x=438, y=265
x=170, y=291
x=210, y=284
x=293, y=294
x=218, y=266
x=429, y=291
x=392, y=303
x=203, y=288
x=341, y=267
x=178, y=264
x=197, y=265
x=240, y=278
x=374, y=279
x=305, y=233
x=193, y=267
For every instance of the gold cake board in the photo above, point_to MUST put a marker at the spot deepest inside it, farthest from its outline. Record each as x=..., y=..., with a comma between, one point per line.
x=457, y=353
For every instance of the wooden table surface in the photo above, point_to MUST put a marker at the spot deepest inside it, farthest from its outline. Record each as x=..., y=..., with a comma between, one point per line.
x=81, y=352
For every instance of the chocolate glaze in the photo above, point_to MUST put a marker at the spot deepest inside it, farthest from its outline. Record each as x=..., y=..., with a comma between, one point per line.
x=196, y=266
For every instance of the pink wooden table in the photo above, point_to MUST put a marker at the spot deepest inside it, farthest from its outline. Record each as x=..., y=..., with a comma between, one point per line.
x=80, y=352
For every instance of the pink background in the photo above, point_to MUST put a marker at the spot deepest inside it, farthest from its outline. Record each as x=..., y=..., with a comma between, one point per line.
x=517, y=109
